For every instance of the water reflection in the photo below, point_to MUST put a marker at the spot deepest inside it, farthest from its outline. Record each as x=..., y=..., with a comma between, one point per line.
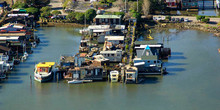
x=152, y=80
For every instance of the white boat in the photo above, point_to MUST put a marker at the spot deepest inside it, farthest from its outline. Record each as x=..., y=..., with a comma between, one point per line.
x=75, y=81
x=44, y=71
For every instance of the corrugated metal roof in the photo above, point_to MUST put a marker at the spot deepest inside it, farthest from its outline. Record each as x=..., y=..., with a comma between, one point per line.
x=12, y=34
x=114, y=37
x=152, y=42
x=108, y=16
x=151, y=57
x=99, y=27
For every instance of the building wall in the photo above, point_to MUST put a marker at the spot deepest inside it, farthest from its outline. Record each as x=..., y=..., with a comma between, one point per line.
x=188, y=4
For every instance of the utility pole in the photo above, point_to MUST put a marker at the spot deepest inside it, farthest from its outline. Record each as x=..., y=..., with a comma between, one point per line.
x=125, y=6
x=85, y=19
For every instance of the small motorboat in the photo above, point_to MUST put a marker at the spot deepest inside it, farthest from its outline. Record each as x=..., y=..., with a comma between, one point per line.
x=219, y=50
x=75, y=81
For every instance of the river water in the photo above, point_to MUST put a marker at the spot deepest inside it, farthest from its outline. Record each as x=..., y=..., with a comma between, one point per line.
x=192, y=83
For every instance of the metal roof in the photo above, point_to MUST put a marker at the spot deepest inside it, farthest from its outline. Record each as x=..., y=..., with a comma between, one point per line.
x=115, y=37
x=151, y=57
x=109, y=16
x=99, y=27
x=152, y=42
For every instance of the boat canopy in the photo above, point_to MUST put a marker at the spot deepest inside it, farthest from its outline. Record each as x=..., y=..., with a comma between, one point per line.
x=45, y=64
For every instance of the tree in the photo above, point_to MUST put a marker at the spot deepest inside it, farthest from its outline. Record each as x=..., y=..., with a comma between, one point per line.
x=146, y=7
x=90, y=14
x=32, y=10
x=56, y=12
x=46, y=8
x=45, y=11
x=19, y=5
x=71, y=16
x=38, y=3
x=136, y=15
x=67, y=3
x=79, y=17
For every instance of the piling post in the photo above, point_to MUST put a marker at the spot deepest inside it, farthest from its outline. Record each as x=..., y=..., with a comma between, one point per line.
x=30, y=80
x=57, y=74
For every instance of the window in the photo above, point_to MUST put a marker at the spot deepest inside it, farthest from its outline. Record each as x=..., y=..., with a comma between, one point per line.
x=148, y=61
x=154, y=61
x=113, y=55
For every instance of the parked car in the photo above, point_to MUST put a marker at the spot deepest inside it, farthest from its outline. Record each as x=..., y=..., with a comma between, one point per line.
x=182, y=19
x=177, y=20
x=186, y=20
x=173, y=19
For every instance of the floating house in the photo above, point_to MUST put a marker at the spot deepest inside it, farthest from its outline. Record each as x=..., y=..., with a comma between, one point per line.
x=112, y=55
x=114, y=76
x=115, y=40
x=67, y=61
x=108, y=19
x=18, y=12
x=87, y=73
x=148, y=65
x=131, y=74
x=12, y=28
x=155, y=49
x=5, y=50
x=100, y=60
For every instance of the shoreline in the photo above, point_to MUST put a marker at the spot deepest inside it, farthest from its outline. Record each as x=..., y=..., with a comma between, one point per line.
x=191, y=25
x=53, y=24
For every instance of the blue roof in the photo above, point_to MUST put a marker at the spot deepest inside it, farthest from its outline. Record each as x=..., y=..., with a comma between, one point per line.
x=147, y=48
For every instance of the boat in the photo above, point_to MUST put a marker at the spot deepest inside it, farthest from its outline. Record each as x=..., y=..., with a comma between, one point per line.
x=219, y=50
x=44, y=71
x=150, y=37
x=75, y=81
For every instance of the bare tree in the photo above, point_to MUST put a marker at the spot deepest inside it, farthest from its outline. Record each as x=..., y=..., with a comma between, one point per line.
x=146, y=7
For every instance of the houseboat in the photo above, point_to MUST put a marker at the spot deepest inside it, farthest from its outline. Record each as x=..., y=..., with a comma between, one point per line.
x=131, y=74
x=114, y=76
x=44, y=71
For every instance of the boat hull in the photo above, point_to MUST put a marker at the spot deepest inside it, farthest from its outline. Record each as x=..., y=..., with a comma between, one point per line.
x=41, y=79
x=75, y=82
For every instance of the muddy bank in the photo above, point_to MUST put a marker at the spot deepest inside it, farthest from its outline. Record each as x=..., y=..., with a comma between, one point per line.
x=195, y=26
x=54, y=24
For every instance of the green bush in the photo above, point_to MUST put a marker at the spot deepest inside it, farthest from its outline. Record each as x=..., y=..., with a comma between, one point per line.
x=198, y=17
x=205, y=20
x=56, y=12
x=19, y=5
x=32, y=10
x=79, y=17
